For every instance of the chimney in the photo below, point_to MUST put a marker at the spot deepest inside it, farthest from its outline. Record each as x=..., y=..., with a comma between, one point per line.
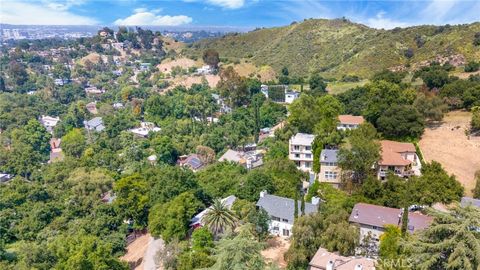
x=263, y=193
x=358, y=267
x=330, y=265
x=315, y=200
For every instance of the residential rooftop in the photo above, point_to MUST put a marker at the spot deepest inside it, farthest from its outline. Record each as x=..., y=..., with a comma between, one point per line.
x=323, y=259
x=302, y=139
x=380, y=216
x=328, y=155
x=391, y=153
x=283, y=208
x=350, y=119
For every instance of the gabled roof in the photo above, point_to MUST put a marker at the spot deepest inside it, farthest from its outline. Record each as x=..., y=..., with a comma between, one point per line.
x=283, y=208
x=391, y=153
x=379, y=216
x=350, y=119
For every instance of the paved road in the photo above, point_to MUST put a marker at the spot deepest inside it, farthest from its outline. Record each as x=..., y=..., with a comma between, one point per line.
x=154, y=245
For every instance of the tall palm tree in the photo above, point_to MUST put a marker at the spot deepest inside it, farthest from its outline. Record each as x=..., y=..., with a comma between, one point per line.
x=451, y=242
x=219, y=217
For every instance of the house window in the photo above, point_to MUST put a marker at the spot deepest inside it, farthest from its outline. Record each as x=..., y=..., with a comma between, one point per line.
x=285, y=220
x=297, y=155
x=296, y=147
x=275, y=218
x=308, y=148
x=276, y=228
x=308, y=164
x=330, y=175
x=286, y=232
x=308, y=155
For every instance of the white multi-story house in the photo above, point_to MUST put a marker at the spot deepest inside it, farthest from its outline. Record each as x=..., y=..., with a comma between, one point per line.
x=398, y=158
x=347, y=122
x=329, y=170
x=300, y=151
x=282, y=211
x=372, y=220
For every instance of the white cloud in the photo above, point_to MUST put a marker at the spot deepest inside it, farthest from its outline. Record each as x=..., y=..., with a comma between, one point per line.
x=26, y=13
x=380, y=22
x=229, y=4
x=226, y=4
x=62, y=5
x=145, y=17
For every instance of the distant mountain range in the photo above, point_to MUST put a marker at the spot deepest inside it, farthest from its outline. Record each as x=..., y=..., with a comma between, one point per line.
x=338, y=47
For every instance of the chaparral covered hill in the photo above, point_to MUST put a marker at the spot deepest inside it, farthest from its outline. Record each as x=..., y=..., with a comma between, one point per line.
x=337, y=47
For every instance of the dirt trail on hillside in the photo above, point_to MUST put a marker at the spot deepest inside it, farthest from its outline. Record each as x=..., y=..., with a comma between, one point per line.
x=448, y=144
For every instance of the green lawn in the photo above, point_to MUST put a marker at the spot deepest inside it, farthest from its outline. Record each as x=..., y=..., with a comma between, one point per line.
x=335, y=88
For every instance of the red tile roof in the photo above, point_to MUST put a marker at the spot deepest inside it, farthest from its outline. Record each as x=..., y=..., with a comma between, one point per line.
x=391, y=153
x=351, y=119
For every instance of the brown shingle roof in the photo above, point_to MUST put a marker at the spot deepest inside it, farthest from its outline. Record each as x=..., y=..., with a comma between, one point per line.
x=391, y=153
x=351, y=119
x=379, y=216
x=322, y=258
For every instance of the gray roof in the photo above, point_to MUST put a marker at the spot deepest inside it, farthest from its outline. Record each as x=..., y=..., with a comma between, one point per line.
x=328, y=155
x=95, y=123
x=467, y=201
x=283, y=208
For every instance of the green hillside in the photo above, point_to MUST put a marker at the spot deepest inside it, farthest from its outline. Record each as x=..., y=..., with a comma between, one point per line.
x=337, y=47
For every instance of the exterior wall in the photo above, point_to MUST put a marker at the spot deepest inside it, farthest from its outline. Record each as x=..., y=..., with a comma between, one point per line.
x=375, y=232
x=343, y=126
x=277, y=228
x=302, y=156
x=322, y=178
x=289, y=98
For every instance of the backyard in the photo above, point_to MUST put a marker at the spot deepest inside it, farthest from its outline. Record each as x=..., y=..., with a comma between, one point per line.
x=448, y=144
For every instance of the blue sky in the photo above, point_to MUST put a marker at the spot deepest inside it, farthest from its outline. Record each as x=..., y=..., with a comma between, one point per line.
x=236, y=13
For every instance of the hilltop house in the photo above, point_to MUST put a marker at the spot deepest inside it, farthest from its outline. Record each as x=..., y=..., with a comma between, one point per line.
x=291, y=96
x=282, y=210
x=329, y=170
x=93, y=90
x=300, y=151
x=144, y=129
x=288, y=96
x=325, y=260
x=49, y=122
x=205, y=70
x=372, y=220
x=250, y=159
x=398, y=158
x=192, y=161
x=95, y=124
x=348, y=122
x=197, y=220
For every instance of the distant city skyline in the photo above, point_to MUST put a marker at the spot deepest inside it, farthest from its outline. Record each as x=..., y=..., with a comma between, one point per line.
x=242, y=14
